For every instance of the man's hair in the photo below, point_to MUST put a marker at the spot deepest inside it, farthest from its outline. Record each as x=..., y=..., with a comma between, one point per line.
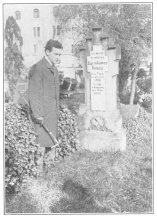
x=53, y=44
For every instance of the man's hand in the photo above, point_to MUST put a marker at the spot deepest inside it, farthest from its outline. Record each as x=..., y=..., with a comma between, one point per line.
x=40, y=120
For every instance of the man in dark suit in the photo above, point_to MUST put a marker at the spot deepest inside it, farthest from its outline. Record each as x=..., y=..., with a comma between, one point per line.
x=43, y=93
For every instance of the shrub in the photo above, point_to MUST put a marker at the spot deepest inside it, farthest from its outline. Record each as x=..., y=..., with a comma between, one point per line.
x=145, y=84
x=139, y=129
x=68, y=132
x=146, y=99
x=21, y=152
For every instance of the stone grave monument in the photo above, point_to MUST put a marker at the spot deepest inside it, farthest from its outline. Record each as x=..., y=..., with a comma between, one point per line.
x=101, y=127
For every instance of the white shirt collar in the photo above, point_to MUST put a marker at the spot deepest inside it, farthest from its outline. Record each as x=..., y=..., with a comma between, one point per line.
x=48, y=60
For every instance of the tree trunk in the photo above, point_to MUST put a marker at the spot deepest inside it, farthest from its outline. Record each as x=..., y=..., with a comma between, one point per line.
x=133, y=85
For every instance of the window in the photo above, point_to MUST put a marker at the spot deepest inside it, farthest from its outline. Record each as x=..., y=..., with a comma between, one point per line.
x=34, y=28
x=38, y=31
x=18, y=15
x=36, y=13
x=58, y=30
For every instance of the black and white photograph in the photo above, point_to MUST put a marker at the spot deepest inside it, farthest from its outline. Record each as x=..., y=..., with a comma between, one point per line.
x=78, y=108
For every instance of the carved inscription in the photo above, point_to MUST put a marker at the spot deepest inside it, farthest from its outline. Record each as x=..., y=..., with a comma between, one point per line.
x=97, y=65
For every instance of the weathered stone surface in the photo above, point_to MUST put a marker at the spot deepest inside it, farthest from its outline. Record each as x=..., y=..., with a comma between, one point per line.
x=102, y=68
x=113, y=120
x=98, y=141
x=114, y=139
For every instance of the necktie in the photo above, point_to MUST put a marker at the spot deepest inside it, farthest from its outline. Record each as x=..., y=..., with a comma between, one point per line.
x=53, y=69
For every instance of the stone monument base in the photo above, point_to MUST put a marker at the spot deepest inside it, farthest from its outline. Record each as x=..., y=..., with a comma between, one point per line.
x=112, y=138
x=98, y=141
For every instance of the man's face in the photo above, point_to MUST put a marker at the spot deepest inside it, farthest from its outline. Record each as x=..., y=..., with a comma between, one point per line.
x=54, y=55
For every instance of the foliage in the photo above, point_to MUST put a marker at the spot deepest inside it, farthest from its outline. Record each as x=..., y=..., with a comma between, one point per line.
x=13, y=56
x=7, y=97
x=21, y=152
x=145, y=91
x=92, y=182
x=145, y=84
x=146, y=100
x=139, y=130
x=128, y=24
x=68, y=132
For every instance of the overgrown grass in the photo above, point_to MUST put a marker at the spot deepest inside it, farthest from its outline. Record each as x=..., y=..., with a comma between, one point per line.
x=90, y=182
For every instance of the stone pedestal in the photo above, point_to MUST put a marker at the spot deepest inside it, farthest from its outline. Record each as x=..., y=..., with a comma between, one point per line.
x=112, y=138
x=102, y=68
x=98, y=141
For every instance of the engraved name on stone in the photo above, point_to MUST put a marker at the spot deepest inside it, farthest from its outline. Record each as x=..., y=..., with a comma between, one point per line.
x=97, y=65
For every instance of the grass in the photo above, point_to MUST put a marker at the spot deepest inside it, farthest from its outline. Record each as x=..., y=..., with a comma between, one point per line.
x=91, y=182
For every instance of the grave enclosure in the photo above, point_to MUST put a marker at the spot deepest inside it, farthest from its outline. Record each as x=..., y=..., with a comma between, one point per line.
x=100, y=60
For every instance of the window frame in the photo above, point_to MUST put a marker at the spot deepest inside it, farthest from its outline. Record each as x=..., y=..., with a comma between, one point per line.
x=18, y=15
x=38, y=31
x=36, y=13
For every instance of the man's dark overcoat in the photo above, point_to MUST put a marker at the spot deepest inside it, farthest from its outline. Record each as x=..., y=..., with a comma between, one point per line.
x=43, y=94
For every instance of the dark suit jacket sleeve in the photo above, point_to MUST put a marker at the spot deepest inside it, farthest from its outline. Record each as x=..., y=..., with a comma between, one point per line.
x=36, y=92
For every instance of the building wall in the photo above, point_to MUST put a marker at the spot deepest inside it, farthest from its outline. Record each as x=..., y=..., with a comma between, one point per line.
x=27, y=23
x=46, y=22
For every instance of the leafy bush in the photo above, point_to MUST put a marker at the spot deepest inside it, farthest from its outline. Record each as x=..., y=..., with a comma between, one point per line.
x=144, y=96
x=124, y=98
x=145, y=99
x=139, y=129
x=68, y=132
x=145, y=84
x=13, y=55
x=21, y=152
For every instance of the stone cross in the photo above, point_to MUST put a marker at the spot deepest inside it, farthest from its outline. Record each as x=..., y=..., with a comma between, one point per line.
x=101, y=68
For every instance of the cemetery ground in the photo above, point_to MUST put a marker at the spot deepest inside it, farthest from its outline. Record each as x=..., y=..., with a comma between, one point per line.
x=91, y=182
